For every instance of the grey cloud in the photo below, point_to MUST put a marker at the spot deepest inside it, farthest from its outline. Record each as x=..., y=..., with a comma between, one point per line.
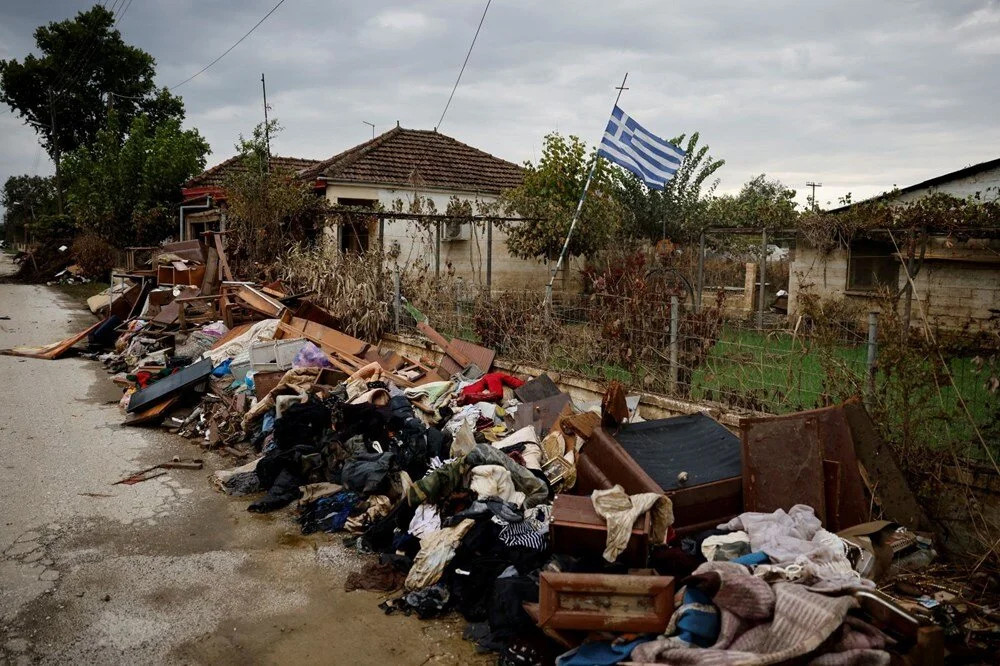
x=859, y=95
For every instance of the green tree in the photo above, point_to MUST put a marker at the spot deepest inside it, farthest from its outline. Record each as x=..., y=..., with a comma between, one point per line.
x=81, y=62
x=548, y=198
x=27, y=200
x=677, y=211
x=761, y=202
x=270, y=210
x=123, y=186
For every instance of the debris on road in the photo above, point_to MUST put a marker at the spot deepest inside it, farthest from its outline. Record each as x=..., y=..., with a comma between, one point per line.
x=548, y=523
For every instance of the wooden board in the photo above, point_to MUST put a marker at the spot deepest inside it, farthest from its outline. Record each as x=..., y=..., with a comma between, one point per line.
x=172, y=385
x=152, y=415
x=605, y=602
x=52, y=351
x=782, y=465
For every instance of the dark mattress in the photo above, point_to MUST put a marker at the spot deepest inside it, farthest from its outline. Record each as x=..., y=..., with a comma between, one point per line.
x=693, y=443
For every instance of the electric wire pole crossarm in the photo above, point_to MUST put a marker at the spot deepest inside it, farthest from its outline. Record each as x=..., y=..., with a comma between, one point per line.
x=579, y=207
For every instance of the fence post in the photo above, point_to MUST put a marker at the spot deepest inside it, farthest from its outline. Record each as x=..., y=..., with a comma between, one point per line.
x=762, y=276
x=872, y=352
x=674, y=319
x=489, y=258
x=701, y=268
x=396, y=299
x=437, y=248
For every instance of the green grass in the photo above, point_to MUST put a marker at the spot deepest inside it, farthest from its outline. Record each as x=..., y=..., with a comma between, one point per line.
x=776, y=374
x=81, y=291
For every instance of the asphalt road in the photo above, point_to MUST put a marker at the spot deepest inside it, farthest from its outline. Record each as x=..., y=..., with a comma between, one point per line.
x=167, y=571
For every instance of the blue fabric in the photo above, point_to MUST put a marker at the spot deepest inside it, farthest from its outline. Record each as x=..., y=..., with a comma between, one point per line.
x=751, y=559
x=267, y=422
x=222, y=369
x=598, y=653
x=698, y=627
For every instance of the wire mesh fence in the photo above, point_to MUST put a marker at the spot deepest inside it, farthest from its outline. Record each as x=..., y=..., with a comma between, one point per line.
x=660, y=341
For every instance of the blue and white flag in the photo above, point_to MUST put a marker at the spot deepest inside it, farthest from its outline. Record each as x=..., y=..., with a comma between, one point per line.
x=646, y=155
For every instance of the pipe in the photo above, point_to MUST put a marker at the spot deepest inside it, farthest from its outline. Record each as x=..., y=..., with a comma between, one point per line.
x=205, y=206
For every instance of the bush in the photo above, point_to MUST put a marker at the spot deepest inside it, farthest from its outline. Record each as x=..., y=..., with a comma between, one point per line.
x=95, y=256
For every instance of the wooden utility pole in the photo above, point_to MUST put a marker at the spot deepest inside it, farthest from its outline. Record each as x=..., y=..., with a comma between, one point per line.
x=267, y=128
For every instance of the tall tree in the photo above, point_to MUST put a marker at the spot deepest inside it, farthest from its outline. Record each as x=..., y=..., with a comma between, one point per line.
x=677, y=211
x=270, y=210
x=83, y=69
x=123, y=185
x=548, y=198
x=27, y=199
x=761, y=203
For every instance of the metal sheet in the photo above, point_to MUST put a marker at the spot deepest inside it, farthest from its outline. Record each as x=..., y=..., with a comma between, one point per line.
x=782, y=465
x=538, y=388
x=541, y=414
x=175, y=383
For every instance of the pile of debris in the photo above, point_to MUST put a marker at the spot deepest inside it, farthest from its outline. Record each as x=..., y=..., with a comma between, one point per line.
x=562, y=531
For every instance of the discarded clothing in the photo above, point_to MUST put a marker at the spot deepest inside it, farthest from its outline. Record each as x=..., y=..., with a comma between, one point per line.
x=725, y=547
x=535, y=490
x=242, y=480
x=436, y=551
x=262, y=330
x=761, y=624
x=599, y=653
x=314, y=491
x=489, y=388
x=366, y=473
x=329, y=514
x=375, y=508
x=521, y=534
x=620, y=512
x=494, y=481
x=375, y=576
x=425, y=520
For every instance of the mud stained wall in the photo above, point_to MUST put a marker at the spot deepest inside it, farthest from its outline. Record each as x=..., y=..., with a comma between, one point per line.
x=953, y=286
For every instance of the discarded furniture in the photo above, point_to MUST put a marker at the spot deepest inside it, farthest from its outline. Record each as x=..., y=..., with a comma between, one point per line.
x=605, y=602
x=576, y=529
x=179, y=381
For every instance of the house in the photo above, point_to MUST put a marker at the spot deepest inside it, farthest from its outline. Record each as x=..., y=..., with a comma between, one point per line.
x=424, y=171
x=203, y=207
x=958, y=283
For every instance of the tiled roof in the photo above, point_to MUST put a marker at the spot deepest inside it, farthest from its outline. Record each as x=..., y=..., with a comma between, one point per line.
x=407, y=158
x=216, y=176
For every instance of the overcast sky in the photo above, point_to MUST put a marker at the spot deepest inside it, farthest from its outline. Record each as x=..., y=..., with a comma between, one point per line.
x=858, y=95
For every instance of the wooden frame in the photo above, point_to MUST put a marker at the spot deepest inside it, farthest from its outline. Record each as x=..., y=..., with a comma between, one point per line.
x=605, y=602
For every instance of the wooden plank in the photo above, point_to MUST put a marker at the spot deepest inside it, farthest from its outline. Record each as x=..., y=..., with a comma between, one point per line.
x=605, y=602
x=259, y=301
x=782, y=464
x=223, y=262
x=51, y=351
x=152, y=415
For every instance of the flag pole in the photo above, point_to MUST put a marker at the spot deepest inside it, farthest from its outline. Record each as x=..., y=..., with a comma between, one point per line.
x=579, y=207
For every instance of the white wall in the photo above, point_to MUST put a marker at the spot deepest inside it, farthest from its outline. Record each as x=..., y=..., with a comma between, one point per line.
x=986, y=184
x=468, y=258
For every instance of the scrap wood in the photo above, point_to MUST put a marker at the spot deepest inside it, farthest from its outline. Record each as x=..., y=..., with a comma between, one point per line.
x=257, y=300
x=152, y=415
x=176, y=383
x=159, y=470
x=51, y=351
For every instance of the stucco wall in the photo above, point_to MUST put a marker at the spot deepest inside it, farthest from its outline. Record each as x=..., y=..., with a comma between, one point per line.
x=953, y=293
x=985, y=184
x=468, y=258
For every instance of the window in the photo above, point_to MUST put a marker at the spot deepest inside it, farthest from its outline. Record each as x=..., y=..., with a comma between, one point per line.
x=355, y=229
x=871, y=266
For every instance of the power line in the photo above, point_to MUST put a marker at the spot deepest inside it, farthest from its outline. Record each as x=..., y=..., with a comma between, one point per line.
x=226, y=52
x=464, y=63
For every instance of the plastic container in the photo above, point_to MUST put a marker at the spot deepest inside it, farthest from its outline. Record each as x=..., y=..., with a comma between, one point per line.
x=285, y=351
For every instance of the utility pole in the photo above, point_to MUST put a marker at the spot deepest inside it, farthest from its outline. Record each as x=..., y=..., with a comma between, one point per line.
x=372, y=125
x=813, y=197
x=55, y=150
x=267, y=129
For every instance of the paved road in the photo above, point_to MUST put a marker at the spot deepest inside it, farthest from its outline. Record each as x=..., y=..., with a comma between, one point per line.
x=165, y=571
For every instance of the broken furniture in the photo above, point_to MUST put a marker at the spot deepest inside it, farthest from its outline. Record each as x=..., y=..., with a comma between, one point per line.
x=576, y=528
x=692, y=459
x=51, y=351
x=605, y=602
x=181, y=380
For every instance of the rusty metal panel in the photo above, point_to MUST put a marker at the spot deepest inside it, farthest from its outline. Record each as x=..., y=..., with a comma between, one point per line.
x=782, y=464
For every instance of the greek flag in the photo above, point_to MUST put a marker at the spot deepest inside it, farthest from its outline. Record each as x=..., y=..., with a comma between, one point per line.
x=646, y=155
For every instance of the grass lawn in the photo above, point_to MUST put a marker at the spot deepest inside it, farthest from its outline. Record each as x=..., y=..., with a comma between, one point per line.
x=774, y=373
